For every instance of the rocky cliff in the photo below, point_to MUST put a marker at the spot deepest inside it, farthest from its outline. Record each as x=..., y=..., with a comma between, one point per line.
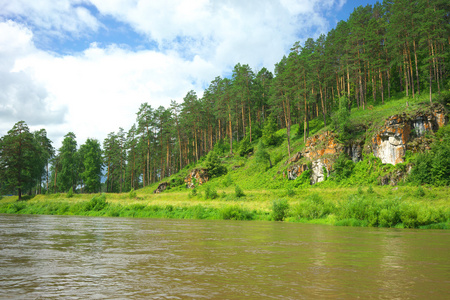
x=402, y=132
x=321, y=151
x=196, y=176
x=399, y=133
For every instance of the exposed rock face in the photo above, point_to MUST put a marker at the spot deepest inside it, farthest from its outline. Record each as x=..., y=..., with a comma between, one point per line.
x=319, y=167
x=400, y=132
x=321, y=150
x=392, y=141
x=199, y=175
x=323, y=144
x=297, y=156
x=354, y=149
x=161, y=187
x=296, y=170
x=389, y=144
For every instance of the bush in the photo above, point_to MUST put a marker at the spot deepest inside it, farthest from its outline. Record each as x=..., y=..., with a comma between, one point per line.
x=228, y=181
x=433, y=167
x=97, y=203
x=235, y=212
x=261, y=154
x=343, y=167
x=280, y=209
x=314, y=207
x=340, y=119
x=238, y=192
x=245, y=147
x=210, y=193
x=132, y=194
x=70, y=193
x=221, y=147
x=304, y=180
x=214, y=166
x=269, y=132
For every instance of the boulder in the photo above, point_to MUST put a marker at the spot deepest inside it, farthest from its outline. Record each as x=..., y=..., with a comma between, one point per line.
x=296, y=170
x=161, y=187
x=198, y=176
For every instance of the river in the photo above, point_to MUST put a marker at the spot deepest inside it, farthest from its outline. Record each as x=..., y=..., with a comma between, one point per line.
x=70, y=257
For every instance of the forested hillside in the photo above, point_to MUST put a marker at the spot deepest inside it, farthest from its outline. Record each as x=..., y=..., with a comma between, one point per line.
x=395, y=49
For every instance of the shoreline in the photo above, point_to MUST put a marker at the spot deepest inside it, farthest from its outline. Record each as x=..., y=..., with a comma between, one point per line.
x=374, y=207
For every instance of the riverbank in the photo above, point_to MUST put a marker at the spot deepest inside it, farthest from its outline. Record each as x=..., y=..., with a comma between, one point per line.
x=399, y=207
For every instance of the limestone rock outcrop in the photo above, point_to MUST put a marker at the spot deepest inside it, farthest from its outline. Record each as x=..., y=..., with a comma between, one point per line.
x=354, y=150
x=321, y=150
x=296, y=170
x=392, y=141
x=389, y=144
x=161, y=187
x=322, y=144
x=196, y=176
x=399, y=133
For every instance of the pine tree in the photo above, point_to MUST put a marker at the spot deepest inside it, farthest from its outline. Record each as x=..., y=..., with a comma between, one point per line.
x=18, y=154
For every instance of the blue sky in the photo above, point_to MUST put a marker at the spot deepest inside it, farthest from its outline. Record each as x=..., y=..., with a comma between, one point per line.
x=86, y=65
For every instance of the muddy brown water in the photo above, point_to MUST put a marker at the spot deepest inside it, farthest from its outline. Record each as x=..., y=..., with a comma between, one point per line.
x=70, y=257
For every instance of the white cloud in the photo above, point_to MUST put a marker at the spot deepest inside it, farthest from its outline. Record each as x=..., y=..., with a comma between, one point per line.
x=22, y=96
x=48, y=17
x=100, y=89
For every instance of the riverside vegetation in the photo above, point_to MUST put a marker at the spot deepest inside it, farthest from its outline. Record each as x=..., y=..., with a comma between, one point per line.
x=350, y=129
x=248, y=187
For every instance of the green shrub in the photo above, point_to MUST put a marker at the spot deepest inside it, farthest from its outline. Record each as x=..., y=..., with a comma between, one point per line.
x=343, y=167
x=16, y=207
x=290, y=192
x=221, y=147
x=235, y=212
x=244, y=146
x=228, y=181
x=419, y=192
x=132, y=194
x=97, y=203
x=210, y=193
x=70, y=193
x=280, y=209
x=214, y=166
x=269, y=132
x=304, y=180
x=238, y=192
x=314, y=207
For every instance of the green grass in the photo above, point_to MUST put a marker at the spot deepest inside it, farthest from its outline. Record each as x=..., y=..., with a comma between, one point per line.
x=401, y=207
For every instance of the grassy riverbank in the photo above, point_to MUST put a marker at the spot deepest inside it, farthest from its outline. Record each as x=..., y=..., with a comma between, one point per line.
x=400, y=207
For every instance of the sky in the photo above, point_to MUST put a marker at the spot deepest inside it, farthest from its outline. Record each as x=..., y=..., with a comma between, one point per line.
x=85, y=66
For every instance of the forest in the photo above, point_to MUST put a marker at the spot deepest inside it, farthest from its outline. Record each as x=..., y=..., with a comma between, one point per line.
x=393, y=47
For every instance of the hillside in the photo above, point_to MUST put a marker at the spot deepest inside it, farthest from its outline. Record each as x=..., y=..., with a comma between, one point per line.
x=361, y=128
x=363, y=192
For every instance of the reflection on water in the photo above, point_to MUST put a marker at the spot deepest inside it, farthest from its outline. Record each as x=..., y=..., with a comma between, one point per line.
x=104, y=258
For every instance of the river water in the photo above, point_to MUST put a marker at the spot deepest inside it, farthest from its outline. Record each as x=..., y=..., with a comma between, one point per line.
x=69, y=257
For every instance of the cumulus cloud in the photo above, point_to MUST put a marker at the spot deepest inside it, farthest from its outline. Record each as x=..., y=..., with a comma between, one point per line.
x=91, y=93
x=99, y=89
x=224, y=32
x=50, y=17
x=22, y=97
